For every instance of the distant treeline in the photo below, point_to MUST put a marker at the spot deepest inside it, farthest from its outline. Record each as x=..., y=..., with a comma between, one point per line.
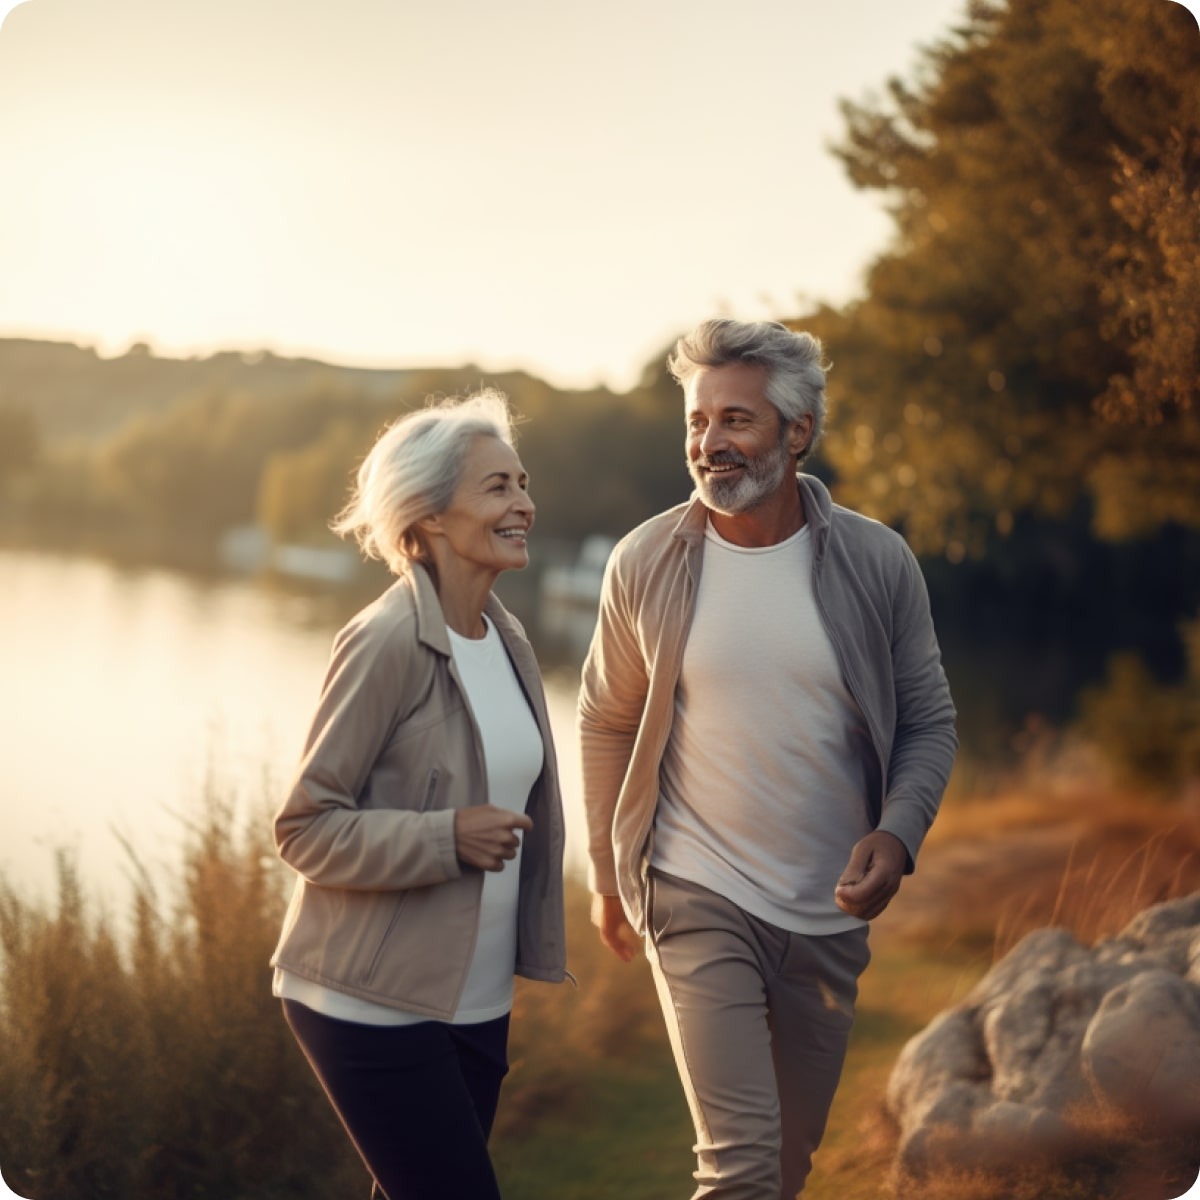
x=179, y=452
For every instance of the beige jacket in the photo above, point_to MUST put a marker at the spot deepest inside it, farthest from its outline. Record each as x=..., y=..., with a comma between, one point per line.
x=873, y=603
x=382, y=908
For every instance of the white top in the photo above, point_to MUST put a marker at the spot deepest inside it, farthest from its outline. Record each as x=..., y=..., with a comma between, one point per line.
x=763, y=791
x=513, y=754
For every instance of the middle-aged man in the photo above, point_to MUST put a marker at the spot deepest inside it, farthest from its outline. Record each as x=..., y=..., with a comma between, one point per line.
x=766, y=735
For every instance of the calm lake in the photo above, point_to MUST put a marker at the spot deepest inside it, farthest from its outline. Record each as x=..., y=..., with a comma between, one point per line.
x=127, y=690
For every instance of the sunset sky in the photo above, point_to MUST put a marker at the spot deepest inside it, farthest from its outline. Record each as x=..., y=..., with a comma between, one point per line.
x=537, y=183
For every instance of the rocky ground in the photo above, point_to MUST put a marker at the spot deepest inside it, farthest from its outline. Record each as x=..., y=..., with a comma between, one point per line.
x=1079, y=1041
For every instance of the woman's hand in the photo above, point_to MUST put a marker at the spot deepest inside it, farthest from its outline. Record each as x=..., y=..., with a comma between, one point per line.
x=486, y=836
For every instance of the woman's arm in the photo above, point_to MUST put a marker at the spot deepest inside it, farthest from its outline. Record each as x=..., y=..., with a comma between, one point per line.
x=321, y=832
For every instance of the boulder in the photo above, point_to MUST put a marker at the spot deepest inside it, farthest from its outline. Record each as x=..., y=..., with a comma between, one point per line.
x=1054, y=1031
x=1141, y=1052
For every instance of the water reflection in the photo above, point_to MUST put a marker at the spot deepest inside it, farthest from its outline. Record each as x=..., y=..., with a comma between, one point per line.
x=127, y=689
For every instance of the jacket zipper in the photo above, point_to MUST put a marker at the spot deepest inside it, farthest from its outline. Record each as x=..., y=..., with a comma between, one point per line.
x=431, y=790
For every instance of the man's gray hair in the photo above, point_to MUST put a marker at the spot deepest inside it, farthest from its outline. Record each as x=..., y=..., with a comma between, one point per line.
x=793, y=362
x=412, y=472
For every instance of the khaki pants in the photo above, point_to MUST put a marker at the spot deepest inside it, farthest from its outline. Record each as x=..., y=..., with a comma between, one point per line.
x=758, y=1019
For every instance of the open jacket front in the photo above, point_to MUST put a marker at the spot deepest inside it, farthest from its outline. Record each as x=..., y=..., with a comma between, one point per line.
x=382, y=908
x=874, y=605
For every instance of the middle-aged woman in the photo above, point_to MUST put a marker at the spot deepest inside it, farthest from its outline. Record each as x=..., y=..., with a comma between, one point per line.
x=425, y=822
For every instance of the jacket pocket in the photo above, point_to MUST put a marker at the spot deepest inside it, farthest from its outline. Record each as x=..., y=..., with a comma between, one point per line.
x=377, y=957
x=651, y=902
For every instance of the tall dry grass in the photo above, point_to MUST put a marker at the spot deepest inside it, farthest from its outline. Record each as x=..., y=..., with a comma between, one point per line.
x=143, y=1057
x=147, y=1059
x=1058, y=841
x=1106, y=1159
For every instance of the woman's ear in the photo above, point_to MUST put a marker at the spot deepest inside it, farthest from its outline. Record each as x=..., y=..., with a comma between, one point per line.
x=415, y=543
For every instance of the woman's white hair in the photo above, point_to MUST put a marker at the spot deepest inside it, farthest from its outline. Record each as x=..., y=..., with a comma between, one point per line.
x=793, y=362
x=412, y=472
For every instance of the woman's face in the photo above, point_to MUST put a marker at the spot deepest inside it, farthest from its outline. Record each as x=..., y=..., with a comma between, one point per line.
x=490, y=514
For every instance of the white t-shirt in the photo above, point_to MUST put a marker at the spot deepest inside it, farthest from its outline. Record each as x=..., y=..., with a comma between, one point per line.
x=763, y=788
x=513, y=754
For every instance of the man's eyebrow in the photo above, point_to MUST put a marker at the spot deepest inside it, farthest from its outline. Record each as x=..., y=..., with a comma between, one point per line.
x=725, y=408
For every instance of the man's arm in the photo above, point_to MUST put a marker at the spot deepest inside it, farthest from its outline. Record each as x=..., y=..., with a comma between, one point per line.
x=608, y=915
x=924, y=742
x=612, y=697
x=923, y=749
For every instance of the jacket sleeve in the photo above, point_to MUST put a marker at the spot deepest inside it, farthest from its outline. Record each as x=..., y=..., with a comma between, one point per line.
x=612, y=696
x=925, y=742
x=320, y=830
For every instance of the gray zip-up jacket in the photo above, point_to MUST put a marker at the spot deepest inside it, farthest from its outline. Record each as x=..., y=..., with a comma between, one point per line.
x=383, y=909
x=872, y=600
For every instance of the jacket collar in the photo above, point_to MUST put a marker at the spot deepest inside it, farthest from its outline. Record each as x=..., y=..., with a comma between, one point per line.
x=431, y=621
x=814, y=495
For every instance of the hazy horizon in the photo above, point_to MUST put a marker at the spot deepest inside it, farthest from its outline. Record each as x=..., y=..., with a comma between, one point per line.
x=541, y=187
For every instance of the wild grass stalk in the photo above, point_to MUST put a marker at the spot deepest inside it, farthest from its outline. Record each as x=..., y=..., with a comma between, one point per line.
x=150, y=1061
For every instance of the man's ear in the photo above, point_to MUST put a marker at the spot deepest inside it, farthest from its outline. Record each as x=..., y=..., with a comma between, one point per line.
x=800, y=434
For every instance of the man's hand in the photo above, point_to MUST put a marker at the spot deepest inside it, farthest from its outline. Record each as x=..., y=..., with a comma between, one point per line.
x=615, y=930
x=872, y=876
x=486, y=836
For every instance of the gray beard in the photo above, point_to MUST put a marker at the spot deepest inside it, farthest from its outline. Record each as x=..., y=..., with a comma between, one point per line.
x=761, y=478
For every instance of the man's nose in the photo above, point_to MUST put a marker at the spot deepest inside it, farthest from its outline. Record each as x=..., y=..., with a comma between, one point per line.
x=712, y=440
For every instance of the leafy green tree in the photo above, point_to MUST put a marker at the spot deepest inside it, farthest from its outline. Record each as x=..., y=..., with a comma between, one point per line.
x=1031, y=335
x=195, y=468
x=1148, y=730
x=300, y=490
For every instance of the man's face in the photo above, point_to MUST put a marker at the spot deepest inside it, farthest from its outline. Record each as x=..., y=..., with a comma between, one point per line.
x=739, y=453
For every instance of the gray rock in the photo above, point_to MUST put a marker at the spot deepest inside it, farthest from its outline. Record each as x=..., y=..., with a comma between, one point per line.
x=1141, y=1052
x=1056, y=1029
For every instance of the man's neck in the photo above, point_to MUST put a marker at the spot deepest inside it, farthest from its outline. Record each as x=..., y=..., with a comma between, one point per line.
x=773, y=521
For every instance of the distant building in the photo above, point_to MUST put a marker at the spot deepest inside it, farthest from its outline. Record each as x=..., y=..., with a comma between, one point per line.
x=249, y=549
x=580, y=581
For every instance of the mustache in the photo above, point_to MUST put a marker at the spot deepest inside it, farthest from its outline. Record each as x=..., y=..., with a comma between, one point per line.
x=723, y=458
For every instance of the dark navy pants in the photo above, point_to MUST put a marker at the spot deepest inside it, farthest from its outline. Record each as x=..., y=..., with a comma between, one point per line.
x=418, y=1101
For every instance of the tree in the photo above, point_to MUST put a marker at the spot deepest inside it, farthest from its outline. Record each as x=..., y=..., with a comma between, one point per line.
x=301, y=490
x=1031, y=336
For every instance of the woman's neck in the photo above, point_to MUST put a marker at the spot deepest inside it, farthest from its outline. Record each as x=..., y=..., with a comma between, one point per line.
x=462, y=595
